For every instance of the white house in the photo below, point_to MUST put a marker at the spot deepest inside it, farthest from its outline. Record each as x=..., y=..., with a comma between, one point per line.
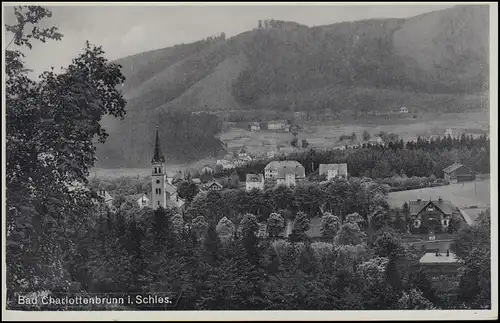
x=333, y=170
x=254, y=181
x=287, y=177
x=254, y=126
x=271, y=170
x=143, y=201
x=448, y=132
x=277, y=125
x=108, y=199
x=403, y=110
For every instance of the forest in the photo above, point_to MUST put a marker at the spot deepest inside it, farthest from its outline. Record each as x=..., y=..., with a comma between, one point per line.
x=423, y=158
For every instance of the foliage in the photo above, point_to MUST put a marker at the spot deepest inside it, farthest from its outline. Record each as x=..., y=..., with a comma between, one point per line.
x=300, y=227
x=349, y=234
x=330, y=225
x=275, y=225
x=51, y=127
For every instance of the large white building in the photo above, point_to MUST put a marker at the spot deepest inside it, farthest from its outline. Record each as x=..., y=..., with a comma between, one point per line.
x=283, y=170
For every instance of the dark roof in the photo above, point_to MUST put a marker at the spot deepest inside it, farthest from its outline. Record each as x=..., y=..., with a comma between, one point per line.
x=341, y=168
x=158, y=155
x=254, y=178
x=298, y=170
x=214, y=183
x=417, y=206
x=453, y=168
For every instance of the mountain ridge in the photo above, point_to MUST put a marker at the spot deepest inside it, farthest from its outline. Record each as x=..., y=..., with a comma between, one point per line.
x=372, y=64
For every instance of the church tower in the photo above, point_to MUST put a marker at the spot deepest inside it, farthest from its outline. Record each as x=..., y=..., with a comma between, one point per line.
x=158, y=176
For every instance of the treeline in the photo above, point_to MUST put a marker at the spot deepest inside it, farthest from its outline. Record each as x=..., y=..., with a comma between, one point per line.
x=228, y=266
x=422, y=158
x=343, y=197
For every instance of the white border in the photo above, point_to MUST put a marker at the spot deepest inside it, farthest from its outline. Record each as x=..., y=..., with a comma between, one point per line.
x=288, y=315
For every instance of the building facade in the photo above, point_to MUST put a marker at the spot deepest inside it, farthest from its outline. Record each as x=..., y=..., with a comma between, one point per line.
x=332, y=171
x=254, y=181
x=430, y=216
x=277, y=125
x=458, y=172
x=271, y=169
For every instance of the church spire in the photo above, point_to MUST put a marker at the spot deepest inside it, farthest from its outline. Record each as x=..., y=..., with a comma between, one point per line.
x=158, y=156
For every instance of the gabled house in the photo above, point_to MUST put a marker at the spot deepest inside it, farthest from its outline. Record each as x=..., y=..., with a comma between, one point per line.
x=430, y=216
x=254, y=181
x=254, y=126
x=332, y=171
x=403, y=110
x=458, y=173
x=272, y=168
x=213, y=186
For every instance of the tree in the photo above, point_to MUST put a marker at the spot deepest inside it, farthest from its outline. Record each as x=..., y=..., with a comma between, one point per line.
x=177, y=223
x=472, y=246
x=366, y=135
x=388, y=245
x=414, y=300
x=349, y=234
x=199, y=226
x=225, y=228
x=330, y=225
x=50, y=129
x=187, y=190
x=353, y=136
x=275, y=225
x=300, y=227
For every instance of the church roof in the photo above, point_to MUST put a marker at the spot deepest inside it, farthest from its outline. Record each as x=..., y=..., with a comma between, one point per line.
x=158, y=155
x=170, y=188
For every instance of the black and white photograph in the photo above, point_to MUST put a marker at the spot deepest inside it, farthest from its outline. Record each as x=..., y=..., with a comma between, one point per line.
x=249, y=161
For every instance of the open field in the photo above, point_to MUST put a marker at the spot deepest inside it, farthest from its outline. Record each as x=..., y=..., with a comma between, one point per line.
x=325, y=134
x=469, y=197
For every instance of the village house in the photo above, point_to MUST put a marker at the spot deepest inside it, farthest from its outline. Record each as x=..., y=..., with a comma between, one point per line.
x=430, y=216
x=213, y=186
x=254, y=181
x=377, y=141
x=441, y=268
x=254, y=126
x=403, y=110
x=206, y=170
x=458, y=173
x=448, y=132
x=108, y=199
x=272, y=168
x=226, y=164
x=332, y=171
x=143, y=201
x=278, y=125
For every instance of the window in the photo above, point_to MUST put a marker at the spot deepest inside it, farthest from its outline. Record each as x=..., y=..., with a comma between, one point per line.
x=157, y=181
x=159, y=190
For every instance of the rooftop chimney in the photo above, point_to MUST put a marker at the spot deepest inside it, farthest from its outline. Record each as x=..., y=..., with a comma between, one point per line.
x=447, y=252
x=440, y=199
x=437, y=252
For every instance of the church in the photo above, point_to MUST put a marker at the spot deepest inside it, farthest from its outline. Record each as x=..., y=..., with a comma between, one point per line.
x=163, y=193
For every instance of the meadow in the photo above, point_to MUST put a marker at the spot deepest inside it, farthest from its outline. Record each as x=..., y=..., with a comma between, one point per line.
x=470, y=197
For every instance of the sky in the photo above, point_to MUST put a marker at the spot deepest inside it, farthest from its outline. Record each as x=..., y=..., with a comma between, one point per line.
x=130, y=29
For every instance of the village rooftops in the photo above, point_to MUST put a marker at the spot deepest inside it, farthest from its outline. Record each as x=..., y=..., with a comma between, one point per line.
x=417, y=206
